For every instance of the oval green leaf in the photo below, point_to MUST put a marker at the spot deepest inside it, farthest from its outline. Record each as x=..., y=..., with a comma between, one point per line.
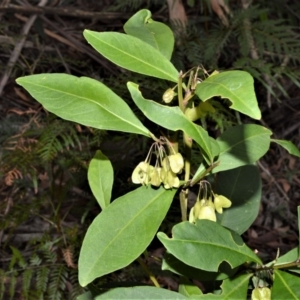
x=288, y=145
x=132, y=54
x=242, y=145
x=286, y=286
x=243, y=187
x=138, y=293
x=195, y=244
x=237, y=86
x=156, y=34
x=172, y=118
x=232, y=288
x=121, y=232
x=171, y=263
x=187, y=288
x=101, y=177
x=83, y=100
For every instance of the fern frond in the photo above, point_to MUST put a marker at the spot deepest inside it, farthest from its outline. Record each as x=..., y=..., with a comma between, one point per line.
x=2, y=283
x=76, y=289
x=57, y=283
x=42, y=278
x=55, y=138
x=13, y=284
x=26, y=282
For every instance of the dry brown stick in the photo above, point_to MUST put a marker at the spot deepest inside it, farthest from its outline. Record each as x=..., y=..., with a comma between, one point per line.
x=284, y=194
x=4, y=3
x=69, y=41
x=80, y=46
x=64, y=11
x=17, y=50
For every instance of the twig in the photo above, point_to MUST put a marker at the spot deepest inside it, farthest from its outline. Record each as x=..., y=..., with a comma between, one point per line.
x=4, y=3
x=64, y=11
x=71, y=42
x=274, y=181
x=149, y=273
x=18, y=48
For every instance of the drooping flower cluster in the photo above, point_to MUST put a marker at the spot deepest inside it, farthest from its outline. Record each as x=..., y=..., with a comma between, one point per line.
x=164, y=171
x=206, y=207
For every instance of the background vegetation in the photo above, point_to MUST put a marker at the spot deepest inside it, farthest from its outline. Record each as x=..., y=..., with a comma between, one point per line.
x=45, y=204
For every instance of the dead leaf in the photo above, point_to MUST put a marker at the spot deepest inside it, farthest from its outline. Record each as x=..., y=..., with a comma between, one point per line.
x=219, y=7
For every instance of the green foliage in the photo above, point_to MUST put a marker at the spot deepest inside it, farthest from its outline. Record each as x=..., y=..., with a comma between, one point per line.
x=156, y=34
x=137, y=215
x=101, y=185
x=261, y=39
x=43, y=275
x=208, y=243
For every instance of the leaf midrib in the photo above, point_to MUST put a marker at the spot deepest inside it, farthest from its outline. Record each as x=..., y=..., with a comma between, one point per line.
x=90, y=100
x=134, y=57
x=120, y=232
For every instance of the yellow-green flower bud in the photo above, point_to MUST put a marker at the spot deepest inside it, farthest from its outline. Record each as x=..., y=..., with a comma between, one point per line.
x=155, y=177
x=192, y=216
x=176, y=162
x=141, y=174
x=263, y=293
x=221, y=202
x=168, y=95
x=207, y=213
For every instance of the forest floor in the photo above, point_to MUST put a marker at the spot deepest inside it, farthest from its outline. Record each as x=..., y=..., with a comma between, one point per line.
x=55, y=44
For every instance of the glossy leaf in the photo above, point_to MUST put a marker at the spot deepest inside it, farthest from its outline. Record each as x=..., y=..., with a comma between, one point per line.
x=132, y=54
x=243, y=187
x=171, y=118
x=187, y=288
x=122, y=231
x=156, y=34
x=101, y=176
x=194, y=245
x=242, y=145
x=171, y=263
x=286, y=286
x=139, y=293
x=83, y=100
x=287, y=145
x=232, y=288
x=237, y=86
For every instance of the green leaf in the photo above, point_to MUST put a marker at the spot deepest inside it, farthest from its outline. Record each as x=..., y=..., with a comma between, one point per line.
x=156, y=34
x=85, y=296
x=287, y=145
x=286, y=286
x=243, y=187
x=242, y=145
x=187, y=288
x=206, y=245
x=290, y=257
x=237, y=86
x=121, y=232
x=138, y=293
x=83, y=100
x=232, y=288
x=101, y=177
x=172, y=118
x=171, y=263
x=132, y=54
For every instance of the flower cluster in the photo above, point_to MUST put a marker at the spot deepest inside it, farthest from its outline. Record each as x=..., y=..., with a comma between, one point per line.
x=163, y=172
x=206, y=207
